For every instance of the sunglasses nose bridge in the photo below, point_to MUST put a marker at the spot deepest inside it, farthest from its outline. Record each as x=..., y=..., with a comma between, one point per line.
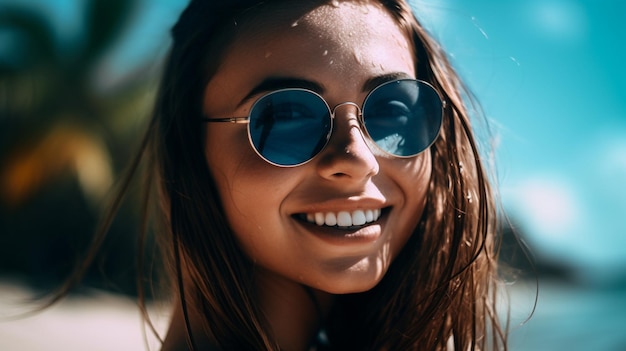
x=356, y=117
x=347, y=103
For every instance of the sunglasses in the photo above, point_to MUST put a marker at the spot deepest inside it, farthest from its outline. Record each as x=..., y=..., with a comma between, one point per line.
x=289, y=127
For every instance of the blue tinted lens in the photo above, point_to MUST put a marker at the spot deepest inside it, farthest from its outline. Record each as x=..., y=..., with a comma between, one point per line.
x=289, y=127
x=403, y=117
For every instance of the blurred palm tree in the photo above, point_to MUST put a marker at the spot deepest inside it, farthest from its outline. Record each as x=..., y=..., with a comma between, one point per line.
x=62, y=137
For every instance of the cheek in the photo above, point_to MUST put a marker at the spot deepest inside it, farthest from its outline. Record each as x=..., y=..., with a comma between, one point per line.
x=420, y=176
x=409, y=179
x=413, y=176
x=251, y=189
x=242, y=181
x=227, y=154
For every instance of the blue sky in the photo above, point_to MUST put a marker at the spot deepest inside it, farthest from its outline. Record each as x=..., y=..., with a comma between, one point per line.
x=550, y=77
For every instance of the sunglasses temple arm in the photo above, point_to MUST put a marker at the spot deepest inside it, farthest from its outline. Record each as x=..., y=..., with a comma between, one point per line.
x=226, y=120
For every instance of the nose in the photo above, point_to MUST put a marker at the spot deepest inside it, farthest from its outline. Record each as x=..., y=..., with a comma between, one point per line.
x=347, y=156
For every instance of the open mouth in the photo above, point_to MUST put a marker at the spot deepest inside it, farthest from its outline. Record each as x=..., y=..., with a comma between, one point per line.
x=346, y=220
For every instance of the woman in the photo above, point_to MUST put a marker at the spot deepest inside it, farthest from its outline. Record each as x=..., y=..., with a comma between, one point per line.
x=319, y=183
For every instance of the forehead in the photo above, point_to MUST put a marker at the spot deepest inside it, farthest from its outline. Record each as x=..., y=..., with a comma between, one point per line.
x=344, y=20
x=358, y=28
x=343, y=14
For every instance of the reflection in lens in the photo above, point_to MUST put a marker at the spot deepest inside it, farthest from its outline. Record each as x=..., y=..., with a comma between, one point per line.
x=391, y=143
x=403, y=117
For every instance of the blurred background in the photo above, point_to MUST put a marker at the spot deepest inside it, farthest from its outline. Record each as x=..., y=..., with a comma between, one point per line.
x=77, y=79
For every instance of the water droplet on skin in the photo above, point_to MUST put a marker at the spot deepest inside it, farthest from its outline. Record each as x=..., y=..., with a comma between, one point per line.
x=357, y=58
x=268, y=54
x=294, y=24
x=334, y=3
x=331, y=62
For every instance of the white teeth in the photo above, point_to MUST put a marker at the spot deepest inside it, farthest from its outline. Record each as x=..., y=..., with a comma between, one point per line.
x=319, y=218
x=343, y=218
x=331, y=219
x=358, y=217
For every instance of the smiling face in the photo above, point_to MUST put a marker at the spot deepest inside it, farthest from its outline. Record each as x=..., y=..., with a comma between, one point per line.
x=336, y=222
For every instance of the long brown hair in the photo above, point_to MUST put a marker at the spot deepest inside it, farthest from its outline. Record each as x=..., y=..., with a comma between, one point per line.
x=439, y=291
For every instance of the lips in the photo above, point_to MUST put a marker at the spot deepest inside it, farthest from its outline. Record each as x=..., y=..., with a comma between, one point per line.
x=343, y=219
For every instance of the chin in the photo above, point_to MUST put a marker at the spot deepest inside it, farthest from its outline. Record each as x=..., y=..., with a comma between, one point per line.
x=352, y=288
x=353, y=282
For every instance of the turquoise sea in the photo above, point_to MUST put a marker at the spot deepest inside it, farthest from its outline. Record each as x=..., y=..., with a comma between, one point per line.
x=568, y=318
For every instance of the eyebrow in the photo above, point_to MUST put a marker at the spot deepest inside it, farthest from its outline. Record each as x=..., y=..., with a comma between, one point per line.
x=373, y=82
x=276, y=83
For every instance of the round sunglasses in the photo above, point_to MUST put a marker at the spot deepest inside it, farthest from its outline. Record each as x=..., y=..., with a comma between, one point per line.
x=289, y=127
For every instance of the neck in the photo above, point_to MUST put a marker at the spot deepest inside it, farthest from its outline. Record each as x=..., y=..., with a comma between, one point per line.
x=293, y=315
x=293, y=311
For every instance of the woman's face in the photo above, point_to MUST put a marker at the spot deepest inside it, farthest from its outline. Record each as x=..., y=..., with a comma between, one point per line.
x=338, y=50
